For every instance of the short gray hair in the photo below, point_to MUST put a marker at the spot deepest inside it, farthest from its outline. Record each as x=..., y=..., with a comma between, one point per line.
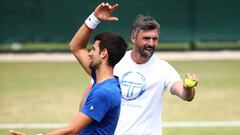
x=144, y=23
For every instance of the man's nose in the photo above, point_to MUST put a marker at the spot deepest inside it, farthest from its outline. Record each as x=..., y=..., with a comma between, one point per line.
x=90, y=53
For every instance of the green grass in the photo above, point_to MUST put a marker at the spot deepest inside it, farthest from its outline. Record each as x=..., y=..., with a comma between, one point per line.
x=20, y=47
x=217, y=95
x=166, y=131
x=202, y=131
x=40, y=92
x=217, y=45
x=27, y=131
x=163, y=46
x=29, y=46
x=50, y=92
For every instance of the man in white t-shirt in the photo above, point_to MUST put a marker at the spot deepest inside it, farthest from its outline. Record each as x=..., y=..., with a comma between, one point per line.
x=144, y=78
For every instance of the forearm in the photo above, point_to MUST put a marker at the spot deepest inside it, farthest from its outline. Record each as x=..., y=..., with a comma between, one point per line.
x=80, y=39
x=102, y=12
x=188, y=94
x=62, y=131
x=79, y=42
x=181, y=91
x=79, y=122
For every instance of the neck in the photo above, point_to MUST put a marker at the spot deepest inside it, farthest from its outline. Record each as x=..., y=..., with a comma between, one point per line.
x=136, y=57
x=104, y=73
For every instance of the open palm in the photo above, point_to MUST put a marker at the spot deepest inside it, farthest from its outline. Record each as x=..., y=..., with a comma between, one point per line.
x=104, y=12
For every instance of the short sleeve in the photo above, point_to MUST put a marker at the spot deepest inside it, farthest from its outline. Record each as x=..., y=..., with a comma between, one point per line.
x=97, y=104
x=172, y=77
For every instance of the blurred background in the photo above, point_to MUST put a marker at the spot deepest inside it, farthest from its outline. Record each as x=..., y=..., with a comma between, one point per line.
x=191, y=24
x=41, y=82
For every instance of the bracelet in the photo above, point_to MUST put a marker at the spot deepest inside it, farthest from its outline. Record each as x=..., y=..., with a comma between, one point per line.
x=92, y=21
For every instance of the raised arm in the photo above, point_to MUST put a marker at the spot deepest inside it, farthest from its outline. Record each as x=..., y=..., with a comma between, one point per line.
x=78, y=44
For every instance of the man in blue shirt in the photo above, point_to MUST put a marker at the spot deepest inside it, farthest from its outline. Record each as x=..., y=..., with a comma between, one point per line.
x=101, y=109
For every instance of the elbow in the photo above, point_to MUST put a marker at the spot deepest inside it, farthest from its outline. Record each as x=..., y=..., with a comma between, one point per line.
x=73, y=130
x=74, y=49
x=71, y=47
x=188, y=99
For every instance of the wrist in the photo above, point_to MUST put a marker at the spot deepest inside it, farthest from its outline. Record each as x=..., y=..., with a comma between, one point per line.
x=188, y=88
x=92, y=21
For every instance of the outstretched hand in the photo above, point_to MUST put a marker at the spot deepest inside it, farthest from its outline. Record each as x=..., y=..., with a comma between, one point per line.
x=12, y=132
x=104, y=12
x=193, y=77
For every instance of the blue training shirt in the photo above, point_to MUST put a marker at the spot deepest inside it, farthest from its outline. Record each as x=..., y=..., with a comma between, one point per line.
x=102, y=105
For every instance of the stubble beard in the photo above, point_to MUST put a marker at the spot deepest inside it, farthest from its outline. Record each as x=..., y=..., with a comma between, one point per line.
x=146, y=51
x=93, y=66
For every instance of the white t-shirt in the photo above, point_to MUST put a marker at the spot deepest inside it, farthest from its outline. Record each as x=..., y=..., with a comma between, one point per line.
x=142, y=87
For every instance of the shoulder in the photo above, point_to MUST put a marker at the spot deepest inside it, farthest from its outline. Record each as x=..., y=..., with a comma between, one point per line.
x=158, y=61
x=99, y=95
x=100, y=92
x=126, y=57
x=107, y=94
x=161, y=66
x=107, y=89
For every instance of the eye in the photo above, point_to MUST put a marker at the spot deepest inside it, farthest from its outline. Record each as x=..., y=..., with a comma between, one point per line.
x=146, y=38
x=155, y=39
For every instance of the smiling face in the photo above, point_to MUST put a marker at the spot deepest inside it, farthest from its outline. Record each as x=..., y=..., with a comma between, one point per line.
x=145, y=42
x=95, y=57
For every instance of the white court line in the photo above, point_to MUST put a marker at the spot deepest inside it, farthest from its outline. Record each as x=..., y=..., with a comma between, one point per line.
x=165, y=124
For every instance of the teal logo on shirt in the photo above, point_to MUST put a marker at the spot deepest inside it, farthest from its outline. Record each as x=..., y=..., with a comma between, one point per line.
x=133, y=85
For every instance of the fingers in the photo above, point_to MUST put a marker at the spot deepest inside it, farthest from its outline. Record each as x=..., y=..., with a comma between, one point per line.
x=115, y=6
x=113, y=19
x=12, y=132
x=105, y=5
x=104, y=12
x=108, y=6
x=193, y=77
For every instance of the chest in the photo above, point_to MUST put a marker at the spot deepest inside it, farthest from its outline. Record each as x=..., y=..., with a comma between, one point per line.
x=140, y=82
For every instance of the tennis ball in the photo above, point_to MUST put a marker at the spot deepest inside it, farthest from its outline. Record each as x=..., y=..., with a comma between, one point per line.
x=189, y=82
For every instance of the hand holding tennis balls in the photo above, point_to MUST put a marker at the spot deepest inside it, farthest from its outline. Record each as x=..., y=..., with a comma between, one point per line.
x=190, y=81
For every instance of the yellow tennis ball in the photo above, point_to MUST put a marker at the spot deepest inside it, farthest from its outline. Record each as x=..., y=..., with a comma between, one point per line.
x=189, y=82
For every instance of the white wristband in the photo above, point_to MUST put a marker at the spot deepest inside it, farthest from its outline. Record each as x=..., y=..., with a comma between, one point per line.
x=92, y=21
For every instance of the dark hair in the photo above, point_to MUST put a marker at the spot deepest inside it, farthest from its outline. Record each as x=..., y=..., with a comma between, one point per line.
x=144, y=23
x=115, y=45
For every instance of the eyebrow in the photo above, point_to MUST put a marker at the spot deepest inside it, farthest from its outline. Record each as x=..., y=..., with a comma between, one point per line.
x=148, y=37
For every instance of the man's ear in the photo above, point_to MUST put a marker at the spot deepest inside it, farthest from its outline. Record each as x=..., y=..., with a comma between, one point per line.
x=133, y=39
x=104, y=53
